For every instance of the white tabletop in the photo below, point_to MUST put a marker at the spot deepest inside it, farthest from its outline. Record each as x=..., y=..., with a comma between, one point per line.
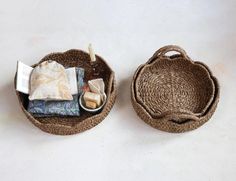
x=126, y=33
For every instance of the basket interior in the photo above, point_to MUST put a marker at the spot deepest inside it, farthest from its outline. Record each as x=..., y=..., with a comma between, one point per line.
x=174, y=85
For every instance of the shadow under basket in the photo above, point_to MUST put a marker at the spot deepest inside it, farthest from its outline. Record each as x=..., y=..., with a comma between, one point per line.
x=174, y=93
x=72, y=125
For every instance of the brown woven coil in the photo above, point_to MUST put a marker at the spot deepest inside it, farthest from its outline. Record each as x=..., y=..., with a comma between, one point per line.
x=73, y=125
x=174, y=93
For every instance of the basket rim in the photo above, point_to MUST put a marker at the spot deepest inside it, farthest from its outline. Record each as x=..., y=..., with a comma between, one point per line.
x=140, y=71
x=166, y=124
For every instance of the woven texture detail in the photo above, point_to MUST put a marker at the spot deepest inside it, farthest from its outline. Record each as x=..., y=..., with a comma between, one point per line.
x=73, y=125
x=174, y=93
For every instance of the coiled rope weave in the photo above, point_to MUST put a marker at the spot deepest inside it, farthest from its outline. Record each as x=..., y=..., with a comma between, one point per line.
x=73, y=125
x=174, y=93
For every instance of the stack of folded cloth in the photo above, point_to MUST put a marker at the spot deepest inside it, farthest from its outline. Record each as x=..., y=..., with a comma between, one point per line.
x=53, y=92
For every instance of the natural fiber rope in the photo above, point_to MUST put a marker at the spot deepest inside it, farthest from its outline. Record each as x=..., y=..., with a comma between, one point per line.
x=174, y=93
x=73, y=125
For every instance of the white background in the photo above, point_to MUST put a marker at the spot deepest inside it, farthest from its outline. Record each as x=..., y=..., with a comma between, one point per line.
x=126, y=34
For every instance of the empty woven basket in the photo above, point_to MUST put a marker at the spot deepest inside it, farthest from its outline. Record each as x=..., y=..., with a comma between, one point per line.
x=174, y=93
x=72, y=125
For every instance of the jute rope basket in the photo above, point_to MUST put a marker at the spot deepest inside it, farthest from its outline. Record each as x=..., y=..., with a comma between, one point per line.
x=73, y=125
x=174, y=93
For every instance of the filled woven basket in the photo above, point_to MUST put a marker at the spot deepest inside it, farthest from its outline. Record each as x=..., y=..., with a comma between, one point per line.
x=87, y=120
x=174, y=93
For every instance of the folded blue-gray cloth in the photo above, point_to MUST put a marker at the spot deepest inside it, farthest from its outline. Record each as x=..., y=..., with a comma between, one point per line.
x=80, y=79
x=43, y=108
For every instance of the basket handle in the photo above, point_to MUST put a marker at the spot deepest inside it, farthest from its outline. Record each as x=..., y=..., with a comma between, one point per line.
x=162, y=51
x=177, y=116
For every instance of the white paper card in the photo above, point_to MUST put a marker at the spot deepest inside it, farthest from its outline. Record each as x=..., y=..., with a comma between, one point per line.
x=23, y=76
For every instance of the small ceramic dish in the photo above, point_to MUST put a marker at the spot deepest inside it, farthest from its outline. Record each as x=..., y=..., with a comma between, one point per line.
x=82, y=104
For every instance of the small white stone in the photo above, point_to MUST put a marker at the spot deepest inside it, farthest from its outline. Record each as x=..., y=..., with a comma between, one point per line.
x=93, y=97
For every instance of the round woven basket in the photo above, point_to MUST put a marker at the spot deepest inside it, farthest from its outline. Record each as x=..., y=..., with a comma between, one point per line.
x=174, y=93
x=73, y=125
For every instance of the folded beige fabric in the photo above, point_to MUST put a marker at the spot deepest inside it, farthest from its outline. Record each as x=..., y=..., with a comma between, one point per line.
x=48, y=81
